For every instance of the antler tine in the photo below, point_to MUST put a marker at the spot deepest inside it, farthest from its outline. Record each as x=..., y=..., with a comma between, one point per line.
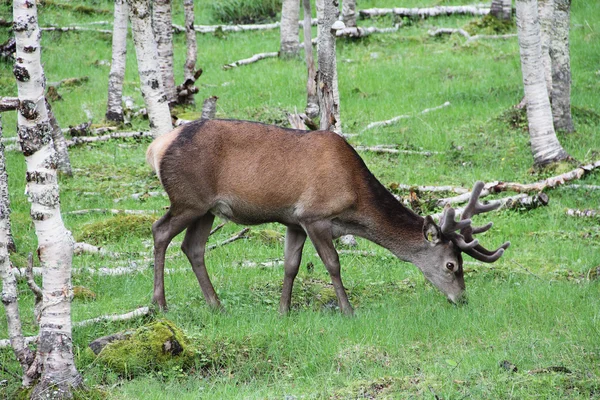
x=464, y=240
x=474, y=207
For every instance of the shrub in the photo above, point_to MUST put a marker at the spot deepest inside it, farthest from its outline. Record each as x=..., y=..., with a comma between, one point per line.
x=246, y=11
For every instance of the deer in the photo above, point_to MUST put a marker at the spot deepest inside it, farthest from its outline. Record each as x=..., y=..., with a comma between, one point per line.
x=315, y=184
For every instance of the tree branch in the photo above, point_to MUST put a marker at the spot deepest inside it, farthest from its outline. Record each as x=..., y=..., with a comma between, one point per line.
x=398, y=118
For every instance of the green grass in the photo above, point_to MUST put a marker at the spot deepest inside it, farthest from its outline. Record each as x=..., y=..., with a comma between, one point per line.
x=535, y=307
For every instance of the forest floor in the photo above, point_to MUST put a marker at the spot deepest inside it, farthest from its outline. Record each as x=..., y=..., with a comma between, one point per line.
x=536, y=309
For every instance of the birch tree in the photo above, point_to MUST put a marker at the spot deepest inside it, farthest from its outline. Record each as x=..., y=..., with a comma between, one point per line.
x=546, y=18
x=312, y=100
x=162, y=25
x=114, y=107
x=150, y=76
x=53, y=362
x=327, y=15
x=60, y=144
x=289, y=30
x=561, y=67
x=349, y=13
x=9, y=283
x=545, y=146
x=501, y=9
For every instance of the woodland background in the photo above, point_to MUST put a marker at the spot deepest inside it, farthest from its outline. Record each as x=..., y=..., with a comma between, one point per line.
x=536, y=309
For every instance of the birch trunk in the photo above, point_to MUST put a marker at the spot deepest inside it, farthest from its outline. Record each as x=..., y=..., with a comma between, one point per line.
x=501, y=9
x=9, y=283
x=60, y=144
x=148, y=68
x=162, y=24
x=544, y=143
x=190, y=37
x=114, y=107
x=54, y=358
x=349, y=13
x=546, y=18
x=312, y=100
x=4, y=198
x=561, y=68
x=289, y=29
x=327, y=15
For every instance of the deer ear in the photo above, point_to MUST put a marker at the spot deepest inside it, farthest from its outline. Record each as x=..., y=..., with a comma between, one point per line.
x=431, y=231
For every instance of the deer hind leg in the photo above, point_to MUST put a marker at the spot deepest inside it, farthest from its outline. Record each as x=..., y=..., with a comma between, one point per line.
x=321, y=236
x=194, y=246
x=295, y=238
x=164, y=230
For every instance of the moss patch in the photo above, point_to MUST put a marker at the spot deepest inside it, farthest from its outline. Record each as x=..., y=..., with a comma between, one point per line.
x=159, y=346
x=115, y=228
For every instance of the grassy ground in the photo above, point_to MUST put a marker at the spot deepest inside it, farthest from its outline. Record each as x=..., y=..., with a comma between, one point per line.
x=537, y=307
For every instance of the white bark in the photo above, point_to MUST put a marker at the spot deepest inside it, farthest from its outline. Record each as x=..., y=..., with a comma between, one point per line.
x=546, y=17
x=290, y=12
x=425, y=12
x=349, y=13
x=9, y=283
x=312, y=99
x=327, y=15
x=209, y=107
x=394, y=120
x=250, y=60
x=116, y=317
x=163, y=34
x=561, y=67
x=60, y=144
x=54, y=358
x=150, y=75
x=114, y=108
x=357, y=32
x=189, y=68
x=501, y=9
x=544, y=143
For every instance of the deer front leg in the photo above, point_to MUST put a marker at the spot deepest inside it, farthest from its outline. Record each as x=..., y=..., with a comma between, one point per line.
x=294, y=242
x=194, y=246
x=321, y=236
x=164, y=230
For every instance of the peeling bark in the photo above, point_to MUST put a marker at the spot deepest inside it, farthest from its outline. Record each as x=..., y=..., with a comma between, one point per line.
x=561, y=68
x=163, y=34
x=114, y=107
x=54, y=357
x=545, y=146
x=150, y=75
x=327, y=15
x=289, y=30
x=312, y=99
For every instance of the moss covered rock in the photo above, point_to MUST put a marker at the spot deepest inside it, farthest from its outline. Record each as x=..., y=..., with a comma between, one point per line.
x=159, y=345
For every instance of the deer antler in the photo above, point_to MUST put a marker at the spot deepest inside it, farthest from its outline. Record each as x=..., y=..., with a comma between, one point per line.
x=465, y=240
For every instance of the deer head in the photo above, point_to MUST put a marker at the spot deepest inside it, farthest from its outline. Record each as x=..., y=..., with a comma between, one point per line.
x=442, y=262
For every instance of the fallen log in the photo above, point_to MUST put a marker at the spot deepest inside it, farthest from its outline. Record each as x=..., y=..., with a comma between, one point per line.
x=425, y=12
x=110, y=211
x=519, y=201
x=9, y=103
x=400, y=117
x=118, y=317
x=253, y=59
x=381, y=149
x=358, y=32
x=74, y=29
x=571, y=212
x=450, y=31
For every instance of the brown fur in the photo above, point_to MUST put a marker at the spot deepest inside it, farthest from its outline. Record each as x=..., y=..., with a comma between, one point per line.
x=313, y=182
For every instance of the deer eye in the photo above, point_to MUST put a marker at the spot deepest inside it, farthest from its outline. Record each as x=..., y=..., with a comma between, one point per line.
x=450, y=266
